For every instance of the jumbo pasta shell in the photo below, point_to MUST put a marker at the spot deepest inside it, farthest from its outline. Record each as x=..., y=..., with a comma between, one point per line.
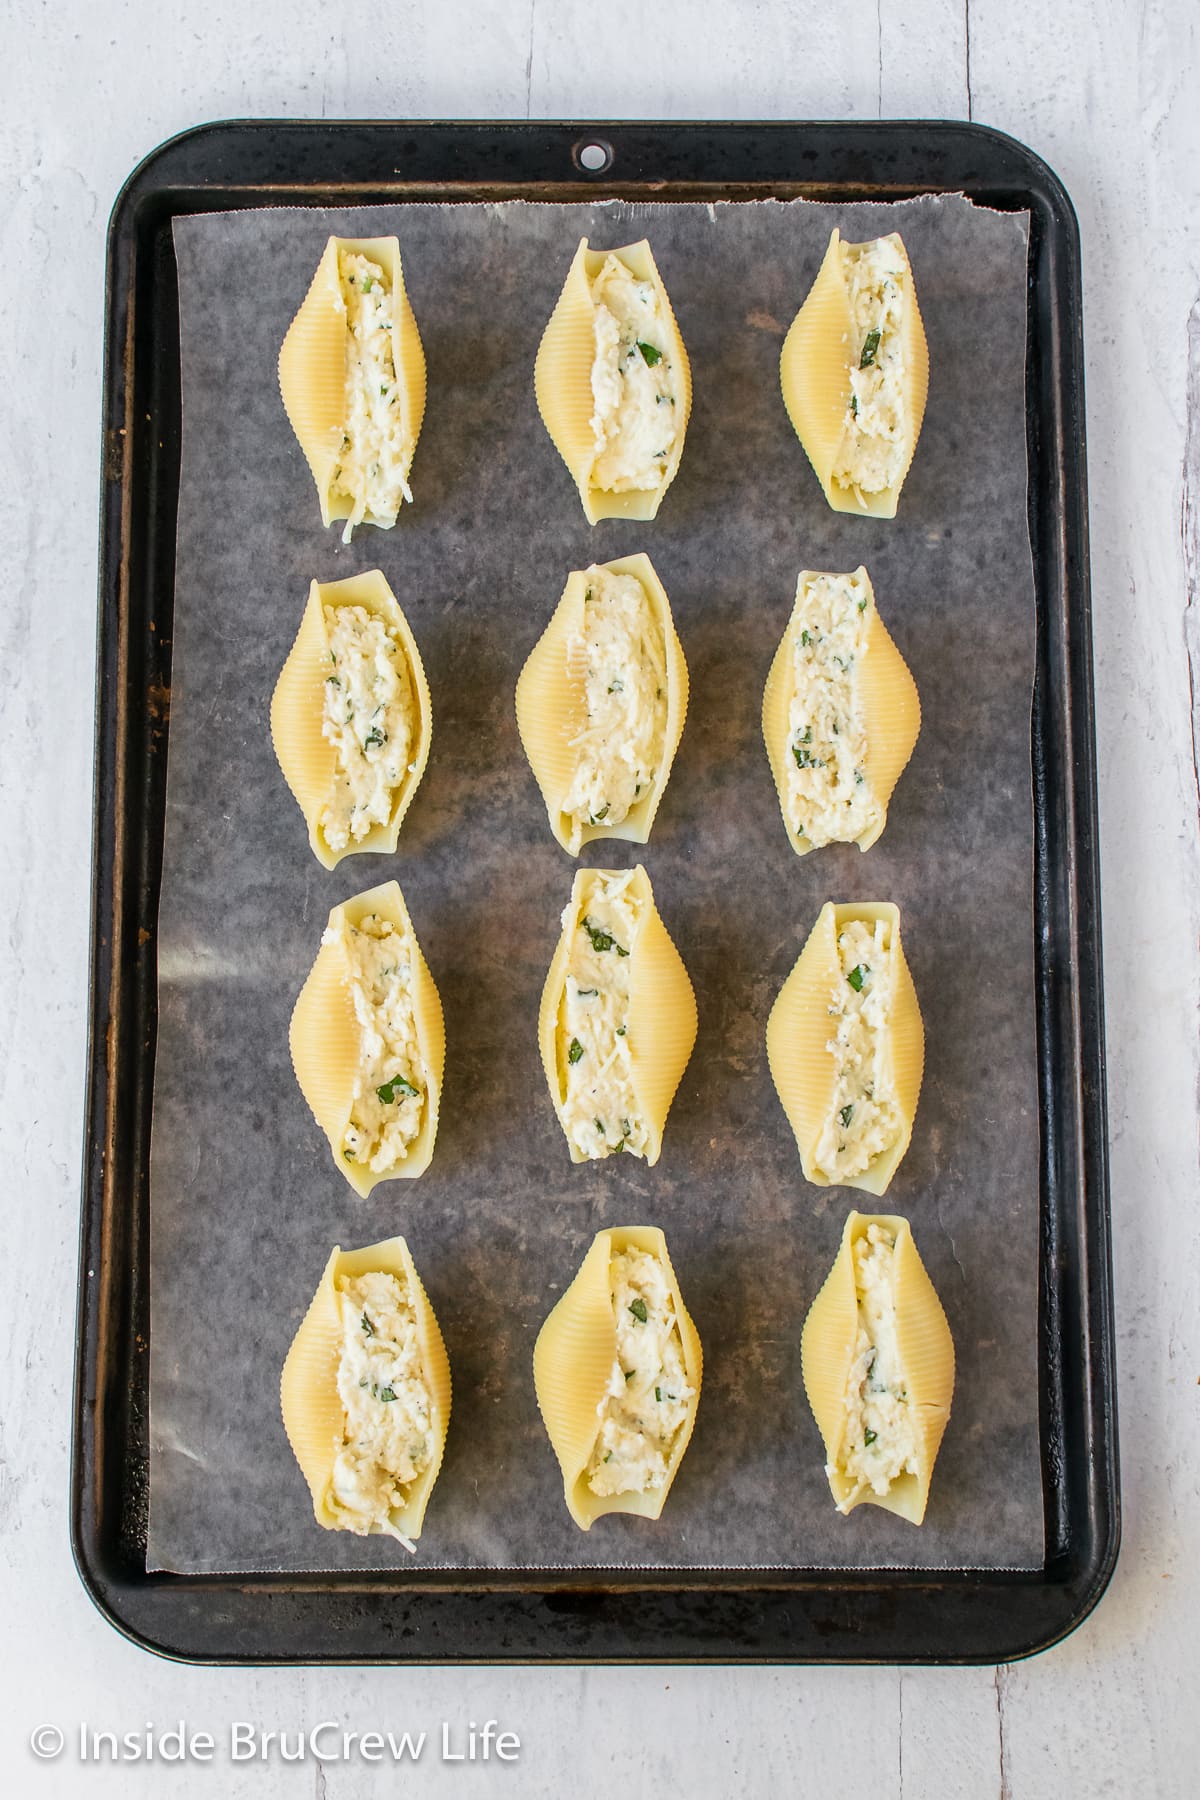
x=572, y=1360
x=887, y=695
x=801, y=1064
x=312, y=366
x=325, y=1038
x=562, y=380
x=926, y=1353
x=313, y=1416
x=814, y=373
x=662, y=1019
x=552, y=709
x=306, y=757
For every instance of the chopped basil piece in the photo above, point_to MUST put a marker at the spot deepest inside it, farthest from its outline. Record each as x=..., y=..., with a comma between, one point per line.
x=586, y=993
x=367, y=1326
x=397, y=1085
x=650, y=356
x=596, y=817
x=333, y=679
x=608, y=1458
x=806, y=638
x=374, y=736
x=857, y=975
x=854, y=406
x=807, y=738
x=870, y=346
x=349, y=1155
x=638, y=1309
x=629, y=1374
x=862, y=606
x=847, y=1113
x=658, y=1393
x=599, y=1124
x=620, y=1031
x=367, y=284
x=387, y=1395
x=575, y=1051
x=869, y=1438
x=601, y=940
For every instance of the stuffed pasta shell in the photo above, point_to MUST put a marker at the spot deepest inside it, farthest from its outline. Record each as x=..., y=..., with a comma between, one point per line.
x=617, y=1368
x=846, y=1047
x=365, y=1394
x=841, y=714
x=613, y=382
x=601, y=703
x=352, y=378
x=618, y=1018
x=368, y=1042
x=351, y=717
x=878, y=1365
x=855, y=374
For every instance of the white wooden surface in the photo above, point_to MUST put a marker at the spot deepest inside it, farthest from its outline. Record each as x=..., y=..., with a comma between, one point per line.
x=1107, y=92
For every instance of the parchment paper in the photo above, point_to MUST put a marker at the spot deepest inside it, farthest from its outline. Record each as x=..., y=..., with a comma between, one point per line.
x=245, y=1201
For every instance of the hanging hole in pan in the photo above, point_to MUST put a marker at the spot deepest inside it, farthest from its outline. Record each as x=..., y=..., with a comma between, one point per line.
x=592, y=155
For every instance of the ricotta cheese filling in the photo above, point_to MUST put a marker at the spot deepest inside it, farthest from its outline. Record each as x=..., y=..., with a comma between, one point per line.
x=634, y=382
x=879, y=1442
x=828, y=796
x=388, y=1107
x=875, y=431
x=368, y=716
x=377, y=446
x=600, y=1109
x=864, y=1118
x=387, y=1437
x=647, y=1400
x=621, y=654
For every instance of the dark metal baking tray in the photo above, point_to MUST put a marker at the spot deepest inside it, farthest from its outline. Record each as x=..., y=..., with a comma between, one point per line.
x=427, y=1615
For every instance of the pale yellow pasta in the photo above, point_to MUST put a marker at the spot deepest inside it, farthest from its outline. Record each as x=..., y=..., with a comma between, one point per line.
x=581, y=697
x=878, y=1365
x=841, y=714
x=618, y=1018
x=591, y=370
x=316, y=1418
x=332, y=726
x=368, y=1041
x=846, y=1047
x=855, y=391
x=353, y=386
x=585, y=1363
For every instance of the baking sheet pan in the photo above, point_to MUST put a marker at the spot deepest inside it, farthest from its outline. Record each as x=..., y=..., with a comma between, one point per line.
x=804, y=1595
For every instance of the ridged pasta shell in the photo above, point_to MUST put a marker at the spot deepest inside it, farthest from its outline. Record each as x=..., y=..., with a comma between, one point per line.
x=926, y=1352
x=305, y=755
x=562, y=380
x=313, y=1416
x=572, y=1359
x=798, y=1033
x=662, y=1011
x=551, y=709
x=325, y=1039
x=891, y=710
x=312, y=365
x=814, y=373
